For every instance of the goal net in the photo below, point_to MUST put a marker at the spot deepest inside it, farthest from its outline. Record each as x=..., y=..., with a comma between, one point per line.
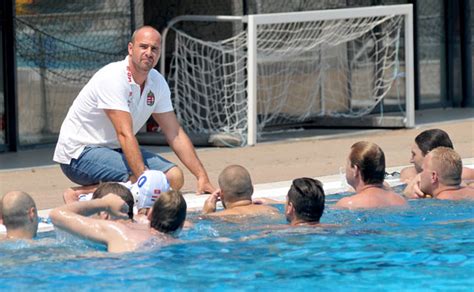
x=327, y=68
x=59, y=45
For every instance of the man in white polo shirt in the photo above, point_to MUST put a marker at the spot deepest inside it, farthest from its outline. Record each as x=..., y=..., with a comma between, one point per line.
x=97, y=140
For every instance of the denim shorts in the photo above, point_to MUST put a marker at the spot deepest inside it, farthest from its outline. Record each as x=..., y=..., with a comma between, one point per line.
x=102, y=164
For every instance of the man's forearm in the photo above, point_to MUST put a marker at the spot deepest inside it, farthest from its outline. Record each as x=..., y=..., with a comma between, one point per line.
x=84, y=208
x=133, y=155
x=123, y=125
x=209, y=207
x=185, y=151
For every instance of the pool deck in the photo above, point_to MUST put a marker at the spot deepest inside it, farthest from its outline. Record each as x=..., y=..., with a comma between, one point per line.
x=315, y=153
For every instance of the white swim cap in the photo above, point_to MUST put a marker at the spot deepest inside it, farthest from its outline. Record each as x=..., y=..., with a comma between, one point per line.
x=85, y=197
x=148, y=187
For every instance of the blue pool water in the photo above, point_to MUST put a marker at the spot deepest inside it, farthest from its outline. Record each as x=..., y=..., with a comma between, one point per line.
x=429, y=246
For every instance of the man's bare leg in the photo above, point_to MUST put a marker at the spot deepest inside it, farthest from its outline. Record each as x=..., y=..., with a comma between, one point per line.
x=72, y=194
x=175, y=177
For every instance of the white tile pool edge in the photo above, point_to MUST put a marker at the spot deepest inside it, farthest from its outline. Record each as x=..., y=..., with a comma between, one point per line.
x=332, y=184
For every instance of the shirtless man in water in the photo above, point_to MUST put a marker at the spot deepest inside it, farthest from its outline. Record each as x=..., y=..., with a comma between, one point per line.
x=304, y=207
x=235, y=192
x=304, y=202
x=166, y=219
x=365, y=172
x=19, y=215
x=441, y=176
x=423, y=144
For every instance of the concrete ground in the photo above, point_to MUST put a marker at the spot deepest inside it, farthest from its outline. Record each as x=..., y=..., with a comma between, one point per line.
x=313, y=154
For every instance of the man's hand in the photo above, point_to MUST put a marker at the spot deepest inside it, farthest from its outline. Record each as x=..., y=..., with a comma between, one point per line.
x=413, y=191
x=184, y=149
x=116, y=206
x=211, y=201
x=204, y=186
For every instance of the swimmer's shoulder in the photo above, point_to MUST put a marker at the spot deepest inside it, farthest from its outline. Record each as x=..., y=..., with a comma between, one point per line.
x=257, y=210
x=465, y=193
x=218, y=215
x=266, y=209
x=395, y=198
x=468, y=174
x=407, y=173
x=345, y=203
x=267, y=201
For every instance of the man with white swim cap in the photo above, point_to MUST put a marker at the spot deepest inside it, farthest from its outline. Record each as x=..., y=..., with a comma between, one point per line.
x=143, y=193
x=148, y=187
x=19, y=215
x=166, y=220
x=441, y=175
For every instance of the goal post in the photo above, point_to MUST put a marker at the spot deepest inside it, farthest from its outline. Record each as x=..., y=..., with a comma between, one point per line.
x=294, y=68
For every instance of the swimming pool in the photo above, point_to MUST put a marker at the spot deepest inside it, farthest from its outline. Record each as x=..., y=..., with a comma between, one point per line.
x=428, y=246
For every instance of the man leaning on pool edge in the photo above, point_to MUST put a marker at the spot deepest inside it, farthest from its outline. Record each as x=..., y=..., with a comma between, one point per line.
x=97, y=140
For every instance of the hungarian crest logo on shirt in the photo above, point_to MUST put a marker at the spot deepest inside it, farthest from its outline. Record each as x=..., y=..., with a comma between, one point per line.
x=150, y=98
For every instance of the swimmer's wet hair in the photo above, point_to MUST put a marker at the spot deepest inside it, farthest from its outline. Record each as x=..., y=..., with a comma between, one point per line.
x=431, y=139
x=15, y=213
x=118, y=189
x=169, y=212
x=308, y=198
x=370, y=160
x=448, y=164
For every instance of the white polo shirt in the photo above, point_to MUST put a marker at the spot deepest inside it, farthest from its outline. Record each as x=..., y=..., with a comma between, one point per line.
x=112, y=87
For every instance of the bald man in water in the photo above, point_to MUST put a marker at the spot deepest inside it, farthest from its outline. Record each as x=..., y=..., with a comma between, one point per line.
x=235, y=192
x=19, y=215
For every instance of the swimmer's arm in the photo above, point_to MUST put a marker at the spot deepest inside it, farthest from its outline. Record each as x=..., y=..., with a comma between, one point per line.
x=211, y=202
x=386, y=186
x=350, y=203
x=213, y=215
x=407, y=174
x=73, y=218
x=468, y=176
x=412, y=190
x=268, y=201
x=467, y=173
x=343, y=203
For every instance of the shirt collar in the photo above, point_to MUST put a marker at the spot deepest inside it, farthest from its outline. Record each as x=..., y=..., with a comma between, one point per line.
x=130, y=80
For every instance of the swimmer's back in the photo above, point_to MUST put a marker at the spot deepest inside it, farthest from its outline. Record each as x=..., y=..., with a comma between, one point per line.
x=249, y=210
x=131, y=236
x=372, y=198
